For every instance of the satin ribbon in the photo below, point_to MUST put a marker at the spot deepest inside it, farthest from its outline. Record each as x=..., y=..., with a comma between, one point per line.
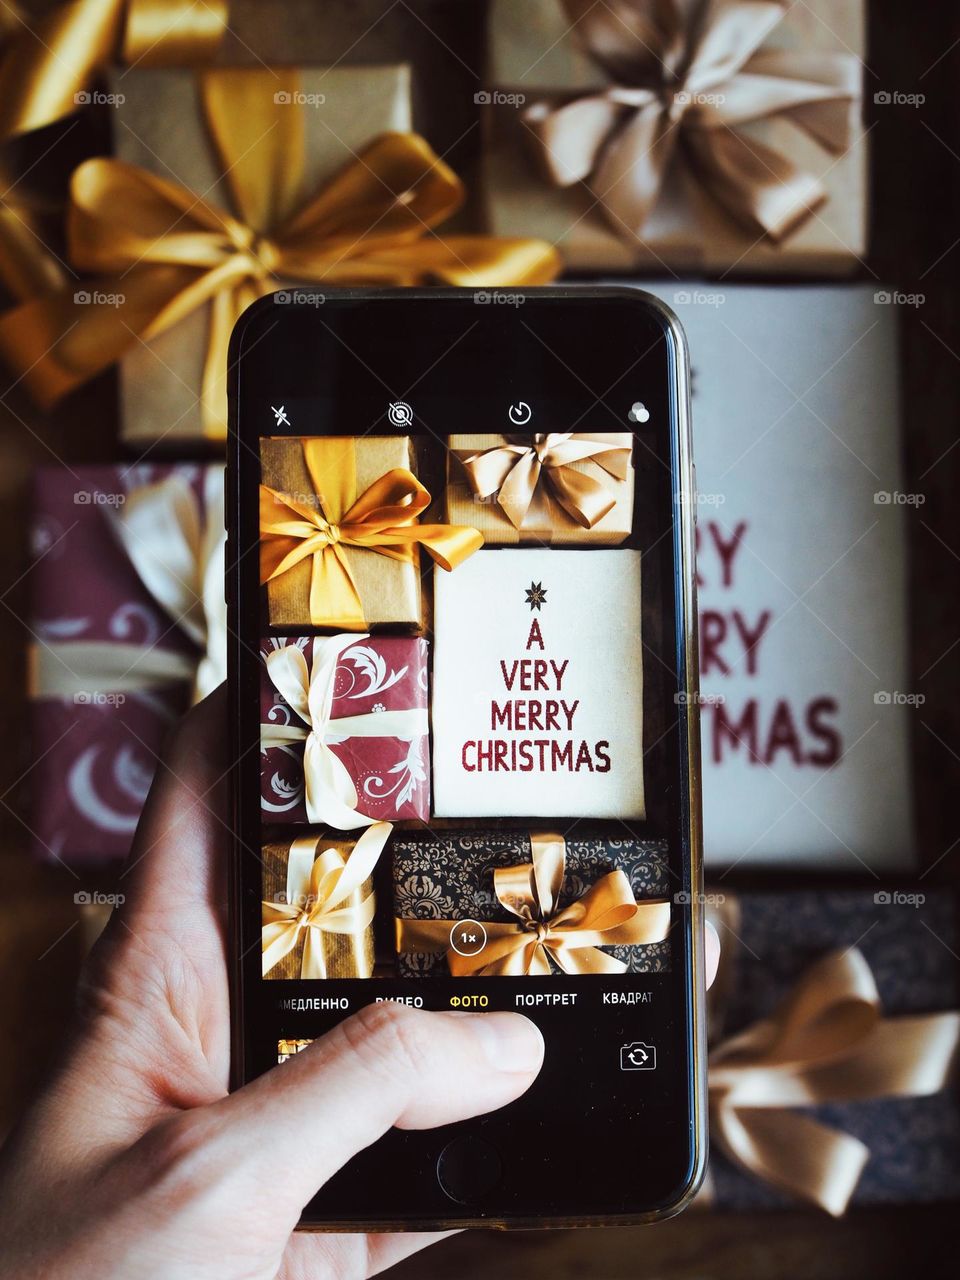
x=27, y=267
x=827, y=1042
x=512, y=471
x=317, y=893
x=329, y=791
x=178, y=553
x=683, y=85
x=166, y=251
x=607, y=915
x=50, y=61
x=383, y=519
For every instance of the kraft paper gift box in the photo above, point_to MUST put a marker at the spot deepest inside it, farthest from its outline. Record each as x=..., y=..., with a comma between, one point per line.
x=566, y=497
x=443, y=879
x=802, y=563
x=303, y=880
x=376, y=729
x=900, y=947
x=127, y=614
x=389, y=588
x=160, y=382
x=538, y=51
x=538, y=686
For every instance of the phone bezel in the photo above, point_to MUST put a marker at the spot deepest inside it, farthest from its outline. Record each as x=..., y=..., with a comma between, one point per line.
x=686, y=622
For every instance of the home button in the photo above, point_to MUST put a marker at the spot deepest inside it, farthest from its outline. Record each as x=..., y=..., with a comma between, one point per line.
x=468, y=1167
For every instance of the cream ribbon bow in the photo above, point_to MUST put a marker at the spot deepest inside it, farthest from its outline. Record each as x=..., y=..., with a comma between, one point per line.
x=329, y=791
x=828, y=1041
x=178, y=553
x=685, y=79
x=317, y=893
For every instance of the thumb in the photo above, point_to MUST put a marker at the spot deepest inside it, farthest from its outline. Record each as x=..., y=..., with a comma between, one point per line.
x=387, y=1065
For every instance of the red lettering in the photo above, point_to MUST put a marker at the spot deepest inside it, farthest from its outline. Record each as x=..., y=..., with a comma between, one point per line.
x=751, y=638
x=713, y=632
x=535, y=637
x=734, y=733
x=727, y=548
x=783, y=735
x=830, y=753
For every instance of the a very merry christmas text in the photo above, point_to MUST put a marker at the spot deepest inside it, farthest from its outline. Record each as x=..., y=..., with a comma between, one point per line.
x=555, y=713
x=761, y=730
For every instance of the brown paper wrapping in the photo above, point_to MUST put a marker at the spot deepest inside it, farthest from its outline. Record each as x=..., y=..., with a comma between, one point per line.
x=546, y=521
x=346, y=955
x=389, y=589
x=534, y=52
x=163, y=130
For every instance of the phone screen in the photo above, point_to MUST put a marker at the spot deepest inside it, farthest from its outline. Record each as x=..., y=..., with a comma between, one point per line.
x=461, y=686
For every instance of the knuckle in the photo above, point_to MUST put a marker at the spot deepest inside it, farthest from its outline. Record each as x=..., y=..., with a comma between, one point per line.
x=388, y=1040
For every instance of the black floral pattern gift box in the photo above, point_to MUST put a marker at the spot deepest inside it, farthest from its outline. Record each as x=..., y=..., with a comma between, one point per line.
x=481, y=904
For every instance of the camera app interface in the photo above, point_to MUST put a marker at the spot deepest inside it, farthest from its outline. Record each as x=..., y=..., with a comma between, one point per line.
x=466, y=690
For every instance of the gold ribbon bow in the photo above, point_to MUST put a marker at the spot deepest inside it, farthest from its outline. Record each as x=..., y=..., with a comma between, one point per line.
x=512, y=471
x=167, y=251
x=607, y=915
x=683, y=85
x=49, y=64
x=329, y=792
x=317, y=893
x=178, y=553
x=827, y=1042
x=383, y=520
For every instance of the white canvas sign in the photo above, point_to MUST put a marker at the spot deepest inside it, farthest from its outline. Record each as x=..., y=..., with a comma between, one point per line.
x=537, y=686
x=801, y=530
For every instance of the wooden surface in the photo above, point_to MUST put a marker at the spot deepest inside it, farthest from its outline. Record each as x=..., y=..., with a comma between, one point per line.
x=914, y=247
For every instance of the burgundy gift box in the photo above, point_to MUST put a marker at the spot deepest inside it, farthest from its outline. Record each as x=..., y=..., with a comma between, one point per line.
x=110, y=667
x=379, y=770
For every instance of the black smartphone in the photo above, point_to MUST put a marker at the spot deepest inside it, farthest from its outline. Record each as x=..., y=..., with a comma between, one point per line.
x=463, y=682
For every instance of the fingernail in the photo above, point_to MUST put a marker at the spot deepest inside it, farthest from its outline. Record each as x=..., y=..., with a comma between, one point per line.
x=510, y=1041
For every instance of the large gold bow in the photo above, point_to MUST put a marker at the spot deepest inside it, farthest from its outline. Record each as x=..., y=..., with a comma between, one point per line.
x=607, y=915
x=512, y=471
x=381, y=520
x=178, y=553
x=323, y=895
x=167, y=251
x=51, y=61
x=827, y=1042
x=329, y=792
x=683, y=85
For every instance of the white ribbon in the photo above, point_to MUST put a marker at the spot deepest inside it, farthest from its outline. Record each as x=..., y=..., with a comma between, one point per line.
x=178, y=553
x=329, y=791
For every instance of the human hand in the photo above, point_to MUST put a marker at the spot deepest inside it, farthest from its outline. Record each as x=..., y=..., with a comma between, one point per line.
x=135, y=1161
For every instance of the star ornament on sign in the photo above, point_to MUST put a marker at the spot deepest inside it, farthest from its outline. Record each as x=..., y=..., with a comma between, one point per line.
x=536, y=596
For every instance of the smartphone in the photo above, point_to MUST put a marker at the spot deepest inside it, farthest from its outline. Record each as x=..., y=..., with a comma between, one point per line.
x=463, y=685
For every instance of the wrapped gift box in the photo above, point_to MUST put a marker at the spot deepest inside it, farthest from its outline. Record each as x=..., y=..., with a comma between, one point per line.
x=449, y=877
x=807, y=698
x=909, y=940
x=113, y=663
x=598, y=482
x=538, y=686
x=292, y=874
x=381, y=680
x=538, y=57
x=163, y=131
x=389, y=588
x=287, y=1048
